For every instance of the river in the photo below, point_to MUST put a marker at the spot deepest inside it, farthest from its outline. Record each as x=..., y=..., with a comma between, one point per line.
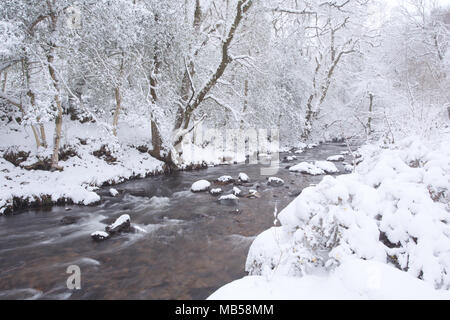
x=192, y=245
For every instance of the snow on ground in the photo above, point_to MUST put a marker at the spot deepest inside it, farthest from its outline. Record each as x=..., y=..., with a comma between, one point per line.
x=391, y=217
x=82, y=173
x=354, y=279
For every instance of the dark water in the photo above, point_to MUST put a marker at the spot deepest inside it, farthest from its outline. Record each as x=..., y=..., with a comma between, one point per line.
x=193, y=244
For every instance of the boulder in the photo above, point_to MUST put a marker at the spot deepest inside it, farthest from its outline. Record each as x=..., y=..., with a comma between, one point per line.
x=275, y=182
x=201, y=186
x=113, y=192
x=308, y=168
x=122, y=224
x=99, y=236
x=224, y=180
x=237, y=192
x=336, y=158
x=68, y=220
x=243, y=177
x=216, y=191
x=327, y=166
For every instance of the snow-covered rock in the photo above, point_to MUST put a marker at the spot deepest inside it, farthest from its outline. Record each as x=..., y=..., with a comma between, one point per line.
x=225, y=180
x=308, y=168
x=327, y=166
x=348, y=168
x=229, y=198
x=237, y=192
x=200, y=186
x=243, y=177
x=253, y=194
x=336, y=158
x=100, y=235
x=122, y=224
x=113, y=192
x=275, y=182
x=216, y=191
x=312, y=145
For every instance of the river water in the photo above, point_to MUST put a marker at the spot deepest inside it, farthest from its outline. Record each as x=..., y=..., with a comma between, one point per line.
x=192, y=245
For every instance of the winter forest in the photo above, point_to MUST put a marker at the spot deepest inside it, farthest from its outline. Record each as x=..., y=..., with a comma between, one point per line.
x=225, y=149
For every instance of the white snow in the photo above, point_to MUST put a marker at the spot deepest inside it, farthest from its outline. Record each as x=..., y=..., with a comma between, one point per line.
x=243, y=177
x=113, y=192
x=354, y=279
x=199, y=186
x=308, y=168
x=336, y=158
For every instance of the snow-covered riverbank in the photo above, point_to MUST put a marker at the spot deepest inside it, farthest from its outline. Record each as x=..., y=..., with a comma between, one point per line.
x=349, y=236
x=92, y=158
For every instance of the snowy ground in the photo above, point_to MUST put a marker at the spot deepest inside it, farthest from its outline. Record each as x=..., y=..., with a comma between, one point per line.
x=380, y=233
x=83, y=173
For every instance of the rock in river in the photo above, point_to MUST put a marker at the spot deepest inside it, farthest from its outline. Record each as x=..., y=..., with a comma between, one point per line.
x=122, y=224
x=100, y=235
x=201, y=186
x=68, y=220
x=275, y=182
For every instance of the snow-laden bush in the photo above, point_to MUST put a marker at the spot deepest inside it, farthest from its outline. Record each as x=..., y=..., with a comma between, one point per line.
x=394, y=209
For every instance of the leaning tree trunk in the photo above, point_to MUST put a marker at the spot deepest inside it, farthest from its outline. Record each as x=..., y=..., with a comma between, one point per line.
x=184, y=116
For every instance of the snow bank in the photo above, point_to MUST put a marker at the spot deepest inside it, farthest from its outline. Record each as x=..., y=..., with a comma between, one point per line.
x=354, y=279
x=393, y=212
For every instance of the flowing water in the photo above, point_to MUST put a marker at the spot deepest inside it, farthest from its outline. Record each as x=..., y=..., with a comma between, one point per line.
x=192, y=244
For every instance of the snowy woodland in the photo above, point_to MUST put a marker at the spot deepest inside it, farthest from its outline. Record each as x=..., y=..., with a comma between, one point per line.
x=94, y=93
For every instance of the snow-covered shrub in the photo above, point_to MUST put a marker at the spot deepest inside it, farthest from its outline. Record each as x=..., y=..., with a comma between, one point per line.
x=394, y=209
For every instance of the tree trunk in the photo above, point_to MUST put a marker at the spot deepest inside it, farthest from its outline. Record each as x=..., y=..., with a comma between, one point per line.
x=59, y=110
x=5, y=78
x=43, y=135
x=369, y=120
x=117, y=111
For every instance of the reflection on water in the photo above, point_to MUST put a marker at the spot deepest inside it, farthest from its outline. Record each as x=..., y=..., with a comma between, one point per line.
x=189, y=244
